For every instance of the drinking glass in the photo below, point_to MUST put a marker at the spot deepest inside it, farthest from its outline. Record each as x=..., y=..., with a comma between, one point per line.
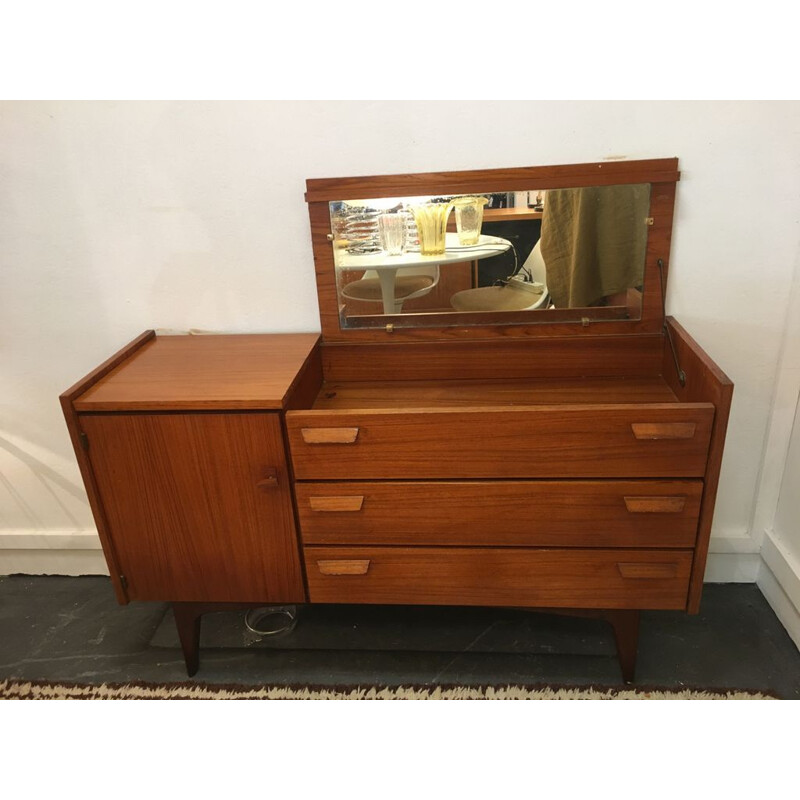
x=469, y=218
x=392, y=230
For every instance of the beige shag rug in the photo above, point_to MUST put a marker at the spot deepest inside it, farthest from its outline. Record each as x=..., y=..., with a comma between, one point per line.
x=40, y=690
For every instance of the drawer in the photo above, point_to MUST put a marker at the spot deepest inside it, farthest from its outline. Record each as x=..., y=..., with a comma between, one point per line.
x=524, y=513
x=499, y=577
x=608, y=441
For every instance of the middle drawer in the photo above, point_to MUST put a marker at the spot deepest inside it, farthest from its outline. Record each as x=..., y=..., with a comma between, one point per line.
x=584, y=513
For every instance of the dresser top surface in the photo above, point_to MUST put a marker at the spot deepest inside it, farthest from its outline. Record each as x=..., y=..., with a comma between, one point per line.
x=203, y=372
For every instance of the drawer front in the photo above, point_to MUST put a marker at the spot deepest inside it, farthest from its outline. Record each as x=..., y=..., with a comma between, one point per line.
x=625, y=441
x=499, y=577
x=523, y=513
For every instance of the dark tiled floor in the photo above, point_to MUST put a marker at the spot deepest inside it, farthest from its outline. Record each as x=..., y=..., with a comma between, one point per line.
x=71, y=629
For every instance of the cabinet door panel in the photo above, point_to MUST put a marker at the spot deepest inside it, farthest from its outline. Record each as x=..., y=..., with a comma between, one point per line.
x=198, y=505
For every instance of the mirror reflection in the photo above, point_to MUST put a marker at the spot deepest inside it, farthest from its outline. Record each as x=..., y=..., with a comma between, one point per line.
x=462, y=259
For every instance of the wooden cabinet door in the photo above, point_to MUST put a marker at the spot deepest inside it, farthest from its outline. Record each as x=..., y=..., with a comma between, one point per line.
x=198, y=505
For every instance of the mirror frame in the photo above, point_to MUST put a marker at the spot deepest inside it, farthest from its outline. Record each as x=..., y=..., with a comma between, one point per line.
x=662, y=174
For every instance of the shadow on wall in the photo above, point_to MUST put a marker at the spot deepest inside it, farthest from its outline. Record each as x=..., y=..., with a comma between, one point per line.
x=62, y=227
x=42, y=497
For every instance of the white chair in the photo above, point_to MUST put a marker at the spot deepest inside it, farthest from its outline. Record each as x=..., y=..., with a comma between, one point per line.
x=409, y=282
x=516, y=295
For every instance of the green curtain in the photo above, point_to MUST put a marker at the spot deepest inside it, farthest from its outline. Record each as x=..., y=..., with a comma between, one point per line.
x=594, y=242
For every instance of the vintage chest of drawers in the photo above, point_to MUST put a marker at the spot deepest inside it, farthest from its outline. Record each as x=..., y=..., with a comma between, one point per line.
x=563, y=459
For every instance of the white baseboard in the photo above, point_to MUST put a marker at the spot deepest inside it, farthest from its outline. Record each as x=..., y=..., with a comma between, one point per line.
x=731, y=559
x=732, y=568
x=51, y=553
x=54, y=562
x=779, y=582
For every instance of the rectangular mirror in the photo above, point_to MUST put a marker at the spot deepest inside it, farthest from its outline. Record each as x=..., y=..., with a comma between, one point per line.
x=560, y=250
x=516, y=257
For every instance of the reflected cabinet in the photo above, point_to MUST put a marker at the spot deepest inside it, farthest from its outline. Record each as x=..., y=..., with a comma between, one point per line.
x=497, y=412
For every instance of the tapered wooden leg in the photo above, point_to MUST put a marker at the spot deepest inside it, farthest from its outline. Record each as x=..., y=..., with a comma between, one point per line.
x=187, y=621
x=626, y=636
x=626, y=631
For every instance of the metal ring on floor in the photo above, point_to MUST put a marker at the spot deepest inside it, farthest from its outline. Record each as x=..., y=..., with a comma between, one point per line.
x=271, y=611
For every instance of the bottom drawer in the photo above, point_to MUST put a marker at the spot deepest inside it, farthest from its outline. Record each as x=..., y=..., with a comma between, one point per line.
x=499, y=577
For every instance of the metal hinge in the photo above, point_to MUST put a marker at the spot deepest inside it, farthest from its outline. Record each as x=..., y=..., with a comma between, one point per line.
x=649, y=220
x=123, y=581
x=84, y=440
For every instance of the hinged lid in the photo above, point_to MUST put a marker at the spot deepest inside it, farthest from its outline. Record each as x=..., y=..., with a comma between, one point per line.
x=582, y=243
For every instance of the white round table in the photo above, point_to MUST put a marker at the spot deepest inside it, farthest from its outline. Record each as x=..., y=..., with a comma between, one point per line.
x=386, y=266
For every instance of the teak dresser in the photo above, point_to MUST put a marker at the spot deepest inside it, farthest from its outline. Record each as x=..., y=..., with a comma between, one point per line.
x=566, y=462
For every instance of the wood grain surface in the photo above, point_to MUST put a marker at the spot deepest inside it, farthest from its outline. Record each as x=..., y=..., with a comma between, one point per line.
x=187, y=517
x=524, y=442
x=67, y=400
x=705, y=382
x=339, y=395
x=226, y=372
x=560, y=176
x=502, y=577
x=500, y=513
x=599, y=356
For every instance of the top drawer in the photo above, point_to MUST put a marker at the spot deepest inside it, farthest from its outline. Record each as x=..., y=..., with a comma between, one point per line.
x=579, y=441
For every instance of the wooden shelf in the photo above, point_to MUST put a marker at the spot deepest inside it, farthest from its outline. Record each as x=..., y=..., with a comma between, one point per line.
x=504, y=214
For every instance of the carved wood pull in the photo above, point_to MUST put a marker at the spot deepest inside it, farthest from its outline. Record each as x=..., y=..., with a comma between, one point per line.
x=663, y=430
x=344, y=567
x=329, y=435
x=339, y=503
x=644, y=570
x=655, y=505
x=269, y=481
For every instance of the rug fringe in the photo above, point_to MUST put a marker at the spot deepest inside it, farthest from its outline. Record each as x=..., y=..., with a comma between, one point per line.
x=11, y=689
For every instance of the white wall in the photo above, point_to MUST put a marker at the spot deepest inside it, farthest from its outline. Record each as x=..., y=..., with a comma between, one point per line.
x=787, y=517
x=777, y=515
x=120, y=216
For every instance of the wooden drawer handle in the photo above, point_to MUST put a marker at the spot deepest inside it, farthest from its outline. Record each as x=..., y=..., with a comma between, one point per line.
x=663, y=430
x=329, y=435
x=338, y=503
x=344, y=567
x=269, y=481
x=646, y=570
x=655, y=505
